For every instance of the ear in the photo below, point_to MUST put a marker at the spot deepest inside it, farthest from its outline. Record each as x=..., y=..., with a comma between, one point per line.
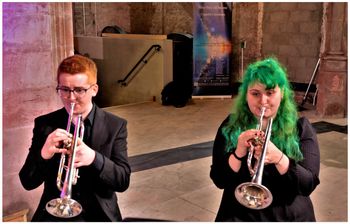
x=94, y=90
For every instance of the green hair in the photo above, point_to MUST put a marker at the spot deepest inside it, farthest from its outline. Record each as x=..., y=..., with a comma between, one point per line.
x=284, y=129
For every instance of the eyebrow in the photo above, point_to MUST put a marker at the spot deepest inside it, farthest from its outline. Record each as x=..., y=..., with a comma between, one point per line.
x=77, y=87
x=265, y=90
x=254, y=90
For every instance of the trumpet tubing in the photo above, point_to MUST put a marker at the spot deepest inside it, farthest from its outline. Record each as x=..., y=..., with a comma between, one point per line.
x=66, y=145
x=253, y=194
x=65, y=206
x=71, y=171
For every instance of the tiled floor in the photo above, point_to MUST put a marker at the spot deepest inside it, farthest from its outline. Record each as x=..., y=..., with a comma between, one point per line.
x=168, y=150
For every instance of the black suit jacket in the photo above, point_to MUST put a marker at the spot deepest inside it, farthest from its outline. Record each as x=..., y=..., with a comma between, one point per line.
x=96, y=187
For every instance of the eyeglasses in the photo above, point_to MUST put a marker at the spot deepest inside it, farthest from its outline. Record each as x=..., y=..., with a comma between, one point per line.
x=64, y=91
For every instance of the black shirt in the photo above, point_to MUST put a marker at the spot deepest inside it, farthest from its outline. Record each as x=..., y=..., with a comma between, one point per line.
x=88, y=123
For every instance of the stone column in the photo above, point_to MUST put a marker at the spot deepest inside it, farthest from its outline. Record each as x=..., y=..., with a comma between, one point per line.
x=332, y=74
x=36, y=37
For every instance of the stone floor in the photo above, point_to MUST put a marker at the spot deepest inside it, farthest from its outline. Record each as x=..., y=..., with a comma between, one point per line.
x=168, y=150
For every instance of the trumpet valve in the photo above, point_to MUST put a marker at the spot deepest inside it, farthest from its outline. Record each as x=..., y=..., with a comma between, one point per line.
x=66, y=143
x=257, y=141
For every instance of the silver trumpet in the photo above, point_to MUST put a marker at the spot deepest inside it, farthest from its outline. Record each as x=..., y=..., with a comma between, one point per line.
x=65, y=206
x=253, y=194
x=255, y=142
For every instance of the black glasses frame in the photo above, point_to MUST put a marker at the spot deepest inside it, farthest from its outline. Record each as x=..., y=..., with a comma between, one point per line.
x=74, y=91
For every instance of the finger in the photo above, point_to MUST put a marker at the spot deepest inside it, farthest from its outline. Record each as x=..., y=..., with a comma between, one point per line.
x=63, y=142
x=79, y=142
x=77, y=164
x=247, y=137
x=249, y=144
x=62, y=150
x=78, y=152
x=62, y=131
x=60, y=137
x=62, y=134
x=54, y=149
x=267, y=161
x=252, y=133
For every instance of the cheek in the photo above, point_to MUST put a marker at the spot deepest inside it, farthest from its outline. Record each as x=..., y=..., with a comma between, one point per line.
x=253, y=105
x=66, y=103
x=249, y=102
x=252, y=100
x=276, y=102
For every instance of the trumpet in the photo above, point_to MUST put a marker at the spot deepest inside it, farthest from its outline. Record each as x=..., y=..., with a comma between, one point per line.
x=253, y=194
x=255, y=142
x=65, y=206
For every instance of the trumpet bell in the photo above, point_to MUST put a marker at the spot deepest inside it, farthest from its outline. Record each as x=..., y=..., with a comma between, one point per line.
x=253, y=195
x=63, y=207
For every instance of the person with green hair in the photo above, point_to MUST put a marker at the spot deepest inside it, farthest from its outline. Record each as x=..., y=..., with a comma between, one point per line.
x=292, y=158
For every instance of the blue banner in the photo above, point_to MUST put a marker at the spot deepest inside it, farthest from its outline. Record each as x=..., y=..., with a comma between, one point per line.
x=212, y=48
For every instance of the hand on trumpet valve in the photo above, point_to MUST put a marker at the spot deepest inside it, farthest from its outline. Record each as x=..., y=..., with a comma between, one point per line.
x=84, y=155
x=56, y=142
x=258, y=140
x=66, y=143
x=273, y=154
x=248, y=138
x=247, y=141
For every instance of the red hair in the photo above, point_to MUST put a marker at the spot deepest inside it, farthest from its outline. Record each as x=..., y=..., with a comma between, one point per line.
x=78, y=64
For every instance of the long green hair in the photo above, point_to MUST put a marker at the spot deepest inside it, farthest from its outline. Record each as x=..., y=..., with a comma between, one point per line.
x=284, y=129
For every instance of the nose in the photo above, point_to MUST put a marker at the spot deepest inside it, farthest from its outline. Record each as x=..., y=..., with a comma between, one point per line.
x=71, y=95
x=264, y=99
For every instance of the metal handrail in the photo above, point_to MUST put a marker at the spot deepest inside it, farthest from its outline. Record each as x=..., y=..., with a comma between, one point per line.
x=156, y=48
x=310, y=82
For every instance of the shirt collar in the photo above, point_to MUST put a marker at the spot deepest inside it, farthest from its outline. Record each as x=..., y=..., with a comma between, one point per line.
x=89, y=120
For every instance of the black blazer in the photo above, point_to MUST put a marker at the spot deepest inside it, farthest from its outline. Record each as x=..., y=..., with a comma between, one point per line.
x=96, y=187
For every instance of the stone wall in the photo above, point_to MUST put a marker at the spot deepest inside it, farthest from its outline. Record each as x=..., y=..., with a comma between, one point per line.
x=135, y=18
x=36, y=37
x=292, y=32
x=91, y=17
x=247, y=27
x=289, y=31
